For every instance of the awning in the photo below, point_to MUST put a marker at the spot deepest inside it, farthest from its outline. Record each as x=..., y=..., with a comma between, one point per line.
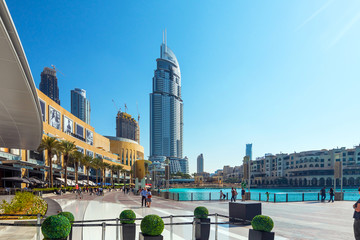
x=16, y=179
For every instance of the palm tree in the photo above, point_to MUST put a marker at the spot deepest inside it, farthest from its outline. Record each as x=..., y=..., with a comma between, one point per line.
x=112, y=170
x=87, y=162
x=67, y=148
x=123, y=171
x=52, y=146
x=104, y=166
x=96, y=165
x=118, y=170
x=76, y=158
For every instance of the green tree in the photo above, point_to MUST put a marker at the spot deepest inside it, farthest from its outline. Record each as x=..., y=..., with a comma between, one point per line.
x=119, y=169
x=103, y=167
x=76, y=158
x=96, y=165
x=87, y=162
x=52, y=145
x=67, y=148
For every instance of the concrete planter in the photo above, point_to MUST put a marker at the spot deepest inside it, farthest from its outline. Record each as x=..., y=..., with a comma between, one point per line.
x=260, y=235
x=144, y=237
x=244, y=210
x=128, y=231
x=202, y=231
x=339, y=196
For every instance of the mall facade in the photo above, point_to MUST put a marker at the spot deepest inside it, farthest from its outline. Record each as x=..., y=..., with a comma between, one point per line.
x=60, y=123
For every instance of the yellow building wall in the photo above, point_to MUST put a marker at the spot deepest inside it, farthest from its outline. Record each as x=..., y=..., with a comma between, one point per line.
x=130, y=150
x=101, y=144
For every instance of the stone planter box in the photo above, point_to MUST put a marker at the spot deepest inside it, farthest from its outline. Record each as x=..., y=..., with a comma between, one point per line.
x=128, y=231
x=144, y=237
x=260, y=235
x=339, y=196
x=244, y=210
x=202, y=231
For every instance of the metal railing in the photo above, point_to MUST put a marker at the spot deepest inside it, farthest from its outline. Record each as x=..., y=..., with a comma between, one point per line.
x=103, y=223
x=256, y=196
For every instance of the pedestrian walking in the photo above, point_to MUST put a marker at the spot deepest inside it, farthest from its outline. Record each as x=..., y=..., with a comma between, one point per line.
x=331, y=192
x=148, y=197
x=143, y=194
x=323, y=194
x=267, y=196
x=233, y=194
x=243, y=195
x=356, y=217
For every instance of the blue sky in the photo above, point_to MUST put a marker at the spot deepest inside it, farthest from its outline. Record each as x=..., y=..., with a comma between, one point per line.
x=283, y=75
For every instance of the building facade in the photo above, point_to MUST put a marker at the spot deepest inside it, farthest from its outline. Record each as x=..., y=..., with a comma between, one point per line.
x=306, y=169
x=127, y=127
x=61, y=124
x=200, y=163
x=49, y=84
x=80, y=105
x=166, y=108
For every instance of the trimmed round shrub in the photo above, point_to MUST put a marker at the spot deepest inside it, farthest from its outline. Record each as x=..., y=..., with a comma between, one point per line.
x=68, y=215
x=262, y=223
x=201, y=212
x=127, y=214
x=152, y=225
x=56, y=227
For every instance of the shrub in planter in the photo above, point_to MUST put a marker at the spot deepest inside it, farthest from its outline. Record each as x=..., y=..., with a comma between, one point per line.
x=201, y=212
x=128, y=229
x=151, y=225
x=262, y=223
x=127, y=214
x=56, y=227
x=262, y=226
x=202, y=228
x=68, y=215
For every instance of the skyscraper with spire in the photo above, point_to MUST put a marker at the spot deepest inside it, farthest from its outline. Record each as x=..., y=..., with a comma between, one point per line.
x=166, y=108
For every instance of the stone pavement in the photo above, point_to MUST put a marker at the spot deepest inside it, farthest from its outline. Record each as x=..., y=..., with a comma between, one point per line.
x=295, y=221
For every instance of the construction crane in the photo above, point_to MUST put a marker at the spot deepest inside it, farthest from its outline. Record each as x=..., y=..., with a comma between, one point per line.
x=57, y=70
x=137, y=108
x=117, y=109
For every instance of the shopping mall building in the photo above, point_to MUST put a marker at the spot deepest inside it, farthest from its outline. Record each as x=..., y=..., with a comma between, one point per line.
x=27, y=115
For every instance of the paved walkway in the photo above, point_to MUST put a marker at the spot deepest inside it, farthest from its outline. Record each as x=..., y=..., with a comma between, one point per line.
x=295, y=221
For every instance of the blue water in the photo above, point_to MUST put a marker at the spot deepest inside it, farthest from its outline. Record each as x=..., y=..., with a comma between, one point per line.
x=279, y=195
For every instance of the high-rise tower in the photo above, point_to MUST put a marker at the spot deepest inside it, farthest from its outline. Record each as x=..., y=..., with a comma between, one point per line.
x=127, y=127
x=200, y=163
x=80, y=105
x=166, y=109
x=49, y=85
x=248, y=151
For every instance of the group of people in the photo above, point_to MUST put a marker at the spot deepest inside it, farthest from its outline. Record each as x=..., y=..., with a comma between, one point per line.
x=234, y=194
x=145, y=197
x=323, y=194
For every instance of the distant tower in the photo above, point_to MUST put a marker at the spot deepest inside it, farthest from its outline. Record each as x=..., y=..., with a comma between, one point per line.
x=200, y=163
x=49, y=84
x=80, y=105
x=127, y=127
x=249, y=150
x=166, y=108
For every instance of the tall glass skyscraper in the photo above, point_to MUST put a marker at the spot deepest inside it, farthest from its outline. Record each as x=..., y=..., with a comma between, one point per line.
x=166, y=109
x=248, y=151
x=80, y=106
x=49, y=84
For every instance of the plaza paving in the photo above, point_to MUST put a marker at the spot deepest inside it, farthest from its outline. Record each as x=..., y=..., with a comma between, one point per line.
x=295, y=221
